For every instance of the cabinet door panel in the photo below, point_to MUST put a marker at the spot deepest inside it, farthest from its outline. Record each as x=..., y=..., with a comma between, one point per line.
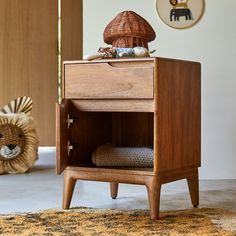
x=62, y=136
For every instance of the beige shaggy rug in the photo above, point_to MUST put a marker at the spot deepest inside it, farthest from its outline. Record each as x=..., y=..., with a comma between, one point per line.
x=86, y=221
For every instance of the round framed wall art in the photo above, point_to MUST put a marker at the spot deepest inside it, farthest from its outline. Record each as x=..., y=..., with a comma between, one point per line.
x=180, y=14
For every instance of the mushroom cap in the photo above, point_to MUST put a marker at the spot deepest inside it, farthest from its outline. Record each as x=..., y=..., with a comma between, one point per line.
x=128, y=24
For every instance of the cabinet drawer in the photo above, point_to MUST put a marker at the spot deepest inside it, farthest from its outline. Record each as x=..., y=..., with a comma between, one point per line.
x=107, y=80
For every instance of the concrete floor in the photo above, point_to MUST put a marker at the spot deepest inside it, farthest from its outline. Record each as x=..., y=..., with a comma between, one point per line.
x=41, y=189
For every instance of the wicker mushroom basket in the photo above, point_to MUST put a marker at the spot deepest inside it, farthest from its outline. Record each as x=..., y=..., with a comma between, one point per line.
x=128, y=30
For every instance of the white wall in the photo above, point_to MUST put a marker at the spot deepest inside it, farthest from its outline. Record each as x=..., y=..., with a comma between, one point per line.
x=213, y=43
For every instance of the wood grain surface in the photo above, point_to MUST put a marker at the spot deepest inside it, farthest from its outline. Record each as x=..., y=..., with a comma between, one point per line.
x=82, y=81
x=29, y=54
x=28, y=59
x=179, y=114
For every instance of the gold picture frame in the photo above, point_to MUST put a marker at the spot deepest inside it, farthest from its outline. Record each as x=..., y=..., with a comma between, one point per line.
x=180, y=14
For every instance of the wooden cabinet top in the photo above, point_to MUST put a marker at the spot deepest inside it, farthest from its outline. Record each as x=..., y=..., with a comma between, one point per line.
x=147, y=59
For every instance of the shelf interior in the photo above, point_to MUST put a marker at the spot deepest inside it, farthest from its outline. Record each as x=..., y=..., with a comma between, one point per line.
x=121, y=129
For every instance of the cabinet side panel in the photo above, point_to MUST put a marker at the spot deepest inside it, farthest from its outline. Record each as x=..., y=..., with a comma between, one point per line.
x=179, y=114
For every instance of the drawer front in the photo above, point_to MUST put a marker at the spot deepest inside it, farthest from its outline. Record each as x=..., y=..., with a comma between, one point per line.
x=108, y=80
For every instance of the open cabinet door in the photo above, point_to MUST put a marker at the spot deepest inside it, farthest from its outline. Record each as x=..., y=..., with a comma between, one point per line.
x=62, y=136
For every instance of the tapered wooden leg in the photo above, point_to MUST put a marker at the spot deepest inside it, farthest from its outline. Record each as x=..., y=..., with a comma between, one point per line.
x=193, y=185
x=114, y=190
x=69, y=184
x=154, y=192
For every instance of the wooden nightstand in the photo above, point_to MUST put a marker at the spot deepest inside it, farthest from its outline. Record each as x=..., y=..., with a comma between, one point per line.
x=131, y=102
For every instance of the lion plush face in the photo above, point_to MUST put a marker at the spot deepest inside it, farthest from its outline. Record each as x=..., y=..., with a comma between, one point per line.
x=18, y=137
x=12, y=141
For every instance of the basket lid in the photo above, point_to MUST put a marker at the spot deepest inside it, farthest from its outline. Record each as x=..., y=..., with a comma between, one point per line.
x=128, y=24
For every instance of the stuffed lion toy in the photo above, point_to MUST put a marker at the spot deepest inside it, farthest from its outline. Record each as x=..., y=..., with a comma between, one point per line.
x=18, y=137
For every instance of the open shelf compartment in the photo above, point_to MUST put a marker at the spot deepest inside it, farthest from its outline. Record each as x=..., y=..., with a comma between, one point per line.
x=85, y=131
x=121, y=129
